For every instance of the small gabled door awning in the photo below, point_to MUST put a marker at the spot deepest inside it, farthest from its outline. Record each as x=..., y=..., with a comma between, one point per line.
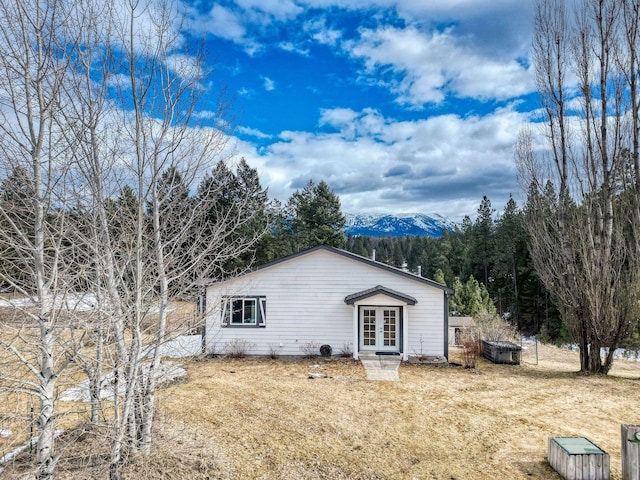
x=379, y=290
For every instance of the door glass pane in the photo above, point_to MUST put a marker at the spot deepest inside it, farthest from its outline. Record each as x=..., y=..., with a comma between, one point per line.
x=369, y=328
x=390, y=325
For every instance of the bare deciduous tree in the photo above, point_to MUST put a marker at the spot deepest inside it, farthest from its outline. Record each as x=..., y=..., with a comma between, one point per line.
x=98, y=119
x=582, y=203
x=33, y=64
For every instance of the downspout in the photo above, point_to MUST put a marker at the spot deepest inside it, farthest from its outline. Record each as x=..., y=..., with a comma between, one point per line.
x=446, y=326
x=405, y=333
x=356, y=340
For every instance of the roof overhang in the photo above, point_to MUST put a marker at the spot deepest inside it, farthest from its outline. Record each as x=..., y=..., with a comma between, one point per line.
x=379, y=290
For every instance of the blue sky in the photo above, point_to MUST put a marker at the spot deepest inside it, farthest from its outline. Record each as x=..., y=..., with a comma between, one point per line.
x=400, y=105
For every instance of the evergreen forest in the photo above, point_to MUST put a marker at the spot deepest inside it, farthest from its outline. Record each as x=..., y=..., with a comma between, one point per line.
x=485, y=260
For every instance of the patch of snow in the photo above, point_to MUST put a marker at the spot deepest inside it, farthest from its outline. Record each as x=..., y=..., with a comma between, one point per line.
x=21, y=448
x=75, y=301
x=5, y=432
x=622, y=353
x=156, y=309
x=183, y=346
x=167, y=372
x=72, y=301
x=17, y=302
x=618, y=353
x=81, y=391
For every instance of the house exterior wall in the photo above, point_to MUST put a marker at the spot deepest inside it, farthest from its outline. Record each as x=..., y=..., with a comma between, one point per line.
x=305, y=303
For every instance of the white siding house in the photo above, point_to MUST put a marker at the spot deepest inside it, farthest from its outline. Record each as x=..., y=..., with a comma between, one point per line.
x=328, y=296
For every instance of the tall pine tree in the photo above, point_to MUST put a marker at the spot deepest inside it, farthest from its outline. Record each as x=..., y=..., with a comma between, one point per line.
x=483, y=242
x=316, y=217
x=238, y=201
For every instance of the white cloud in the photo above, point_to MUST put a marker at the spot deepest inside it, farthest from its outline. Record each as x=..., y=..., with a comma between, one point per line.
x=442, y=164
x=225, y=23
x=120, y=81
x=318, y=30
x=266, y=11
x=499, y=26
x=497, y=29
x=246, y=22
x=269, y=85
x=253, y=132
x=206, y=114
x=185, y=66
x=424, y=67
x=295, y=48
x=340, y=118
x=149, y=22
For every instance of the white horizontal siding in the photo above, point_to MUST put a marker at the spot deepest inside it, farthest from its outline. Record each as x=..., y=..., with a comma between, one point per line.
x=305, y=303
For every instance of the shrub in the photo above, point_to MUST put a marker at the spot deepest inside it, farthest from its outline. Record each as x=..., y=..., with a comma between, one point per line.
x=420, y=355
x=238, y=348
x=346, y=350
x=471, y=347
x=493, y=328
x=274, y=350
x=310, y=349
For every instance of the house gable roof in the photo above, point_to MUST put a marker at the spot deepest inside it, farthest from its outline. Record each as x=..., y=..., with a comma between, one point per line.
x=379, y=289
x=461, y=322
x=351, y=256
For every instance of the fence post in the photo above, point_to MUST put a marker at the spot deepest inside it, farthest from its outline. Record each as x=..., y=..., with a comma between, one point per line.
x=630, y=452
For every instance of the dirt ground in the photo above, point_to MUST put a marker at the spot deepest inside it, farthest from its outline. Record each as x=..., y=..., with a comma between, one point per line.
x=266, y=419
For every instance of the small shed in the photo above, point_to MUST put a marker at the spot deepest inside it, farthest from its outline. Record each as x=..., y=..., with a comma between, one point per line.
x=457, y=326
x=501, y=351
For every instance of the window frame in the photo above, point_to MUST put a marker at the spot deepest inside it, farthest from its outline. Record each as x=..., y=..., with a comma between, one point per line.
x=260, y=311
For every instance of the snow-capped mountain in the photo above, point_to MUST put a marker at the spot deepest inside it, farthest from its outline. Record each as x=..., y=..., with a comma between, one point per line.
x=387, y=225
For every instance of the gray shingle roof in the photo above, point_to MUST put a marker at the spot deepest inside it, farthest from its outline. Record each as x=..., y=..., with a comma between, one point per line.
x=461, y=322
x=379, y=289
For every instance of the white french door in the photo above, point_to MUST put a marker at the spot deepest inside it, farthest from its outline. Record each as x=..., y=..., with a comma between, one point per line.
x=380, y=329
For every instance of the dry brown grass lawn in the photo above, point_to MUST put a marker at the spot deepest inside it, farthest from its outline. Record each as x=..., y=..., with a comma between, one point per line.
x=265, y=419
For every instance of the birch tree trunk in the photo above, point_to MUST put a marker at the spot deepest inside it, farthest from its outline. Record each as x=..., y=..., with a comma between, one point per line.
x=32, y=65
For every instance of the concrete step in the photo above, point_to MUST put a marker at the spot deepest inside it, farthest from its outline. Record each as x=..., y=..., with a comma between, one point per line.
x=380, y=367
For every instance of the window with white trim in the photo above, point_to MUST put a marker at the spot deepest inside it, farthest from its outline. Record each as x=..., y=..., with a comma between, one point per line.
x=244, y=311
